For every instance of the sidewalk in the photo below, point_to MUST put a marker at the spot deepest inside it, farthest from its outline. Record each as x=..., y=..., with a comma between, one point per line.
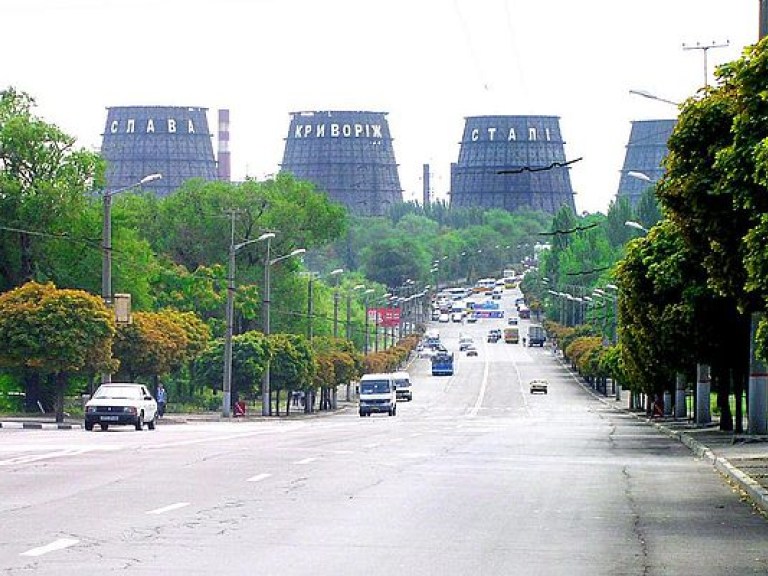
x=740, y=458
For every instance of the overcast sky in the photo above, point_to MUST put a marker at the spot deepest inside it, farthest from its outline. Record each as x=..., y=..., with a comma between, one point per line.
x=427, y=63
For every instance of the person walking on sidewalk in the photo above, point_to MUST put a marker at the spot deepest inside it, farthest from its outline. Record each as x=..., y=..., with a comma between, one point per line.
x=162, y=398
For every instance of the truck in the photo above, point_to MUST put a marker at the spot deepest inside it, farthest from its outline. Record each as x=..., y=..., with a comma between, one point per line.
x=536, y=335
x=511, y=335
x=442, y=364
x=378, y=393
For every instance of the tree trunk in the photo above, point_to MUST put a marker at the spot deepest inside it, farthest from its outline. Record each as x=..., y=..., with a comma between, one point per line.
x=26, y=268
x=32, y=391
x=739, y=378
x=722, y=377
x=61, y=386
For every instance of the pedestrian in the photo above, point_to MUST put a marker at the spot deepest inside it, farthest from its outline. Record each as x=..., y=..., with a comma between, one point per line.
x=162, y=398
x=523, y=341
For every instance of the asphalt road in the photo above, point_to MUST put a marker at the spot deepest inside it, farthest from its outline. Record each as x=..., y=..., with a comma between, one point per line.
x=475, y=476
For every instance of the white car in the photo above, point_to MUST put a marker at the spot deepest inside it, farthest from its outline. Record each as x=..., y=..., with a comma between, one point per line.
x=120, y=404
x=538, y=385
x=444, y=318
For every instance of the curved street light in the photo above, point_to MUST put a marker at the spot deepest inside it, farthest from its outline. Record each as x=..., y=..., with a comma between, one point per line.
x=646, y=94
x=336, y=273
x=106, y=235
x=226, y=404
x=640, y=176
x=266, y=396
x=636, y=226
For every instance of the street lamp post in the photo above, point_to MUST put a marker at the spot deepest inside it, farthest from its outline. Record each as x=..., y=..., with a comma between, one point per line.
x=106, y=231
x=336, y=301
x=226, y=405
x=367, y=335
x=266, y=397
x=349, y=308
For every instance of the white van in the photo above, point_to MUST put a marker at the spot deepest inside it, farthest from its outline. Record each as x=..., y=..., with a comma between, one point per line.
x=377, y=394
x=403, y=386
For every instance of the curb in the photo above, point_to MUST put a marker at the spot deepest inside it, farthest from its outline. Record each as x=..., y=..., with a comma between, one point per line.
x=39, y=426
x=757, y=494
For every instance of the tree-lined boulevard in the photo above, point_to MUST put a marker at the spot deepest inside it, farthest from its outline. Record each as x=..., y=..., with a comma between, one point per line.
x=475, y=476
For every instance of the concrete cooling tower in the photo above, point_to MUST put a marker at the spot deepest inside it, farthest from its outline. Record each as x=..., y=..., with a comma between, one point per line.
x=646, y=150
x=524, y=149
x=348, y=155
x=171, y=140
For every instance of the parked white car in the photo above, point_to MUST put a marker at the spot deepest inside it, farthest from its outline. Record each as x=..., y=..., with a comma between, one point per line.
x=121, y=404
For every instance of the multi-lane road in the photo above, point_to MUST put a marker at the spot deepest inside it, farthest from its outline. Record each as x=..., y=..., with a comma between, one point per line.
x=475, y=476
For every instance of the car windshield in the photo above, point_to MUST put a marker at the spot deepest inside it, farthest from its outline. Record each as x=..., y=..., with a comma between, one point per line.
x=118, y=392
x=374, y=387
x=402, y=383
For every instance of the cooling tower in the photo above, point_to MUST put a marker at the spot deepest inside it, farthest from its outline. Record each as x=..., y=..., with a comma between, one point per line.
x=171, y=140
x=646, y=150
x=348, y=155
x=523, y=149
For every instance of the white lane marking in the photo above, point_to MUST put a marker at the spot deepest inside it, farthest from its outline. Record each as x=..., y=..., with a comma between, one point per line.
x=523, y=393
x=168, y=508
x=483, y=388
x=29, y=458
x=59, y=544
x=258, y=477
x=306, y=461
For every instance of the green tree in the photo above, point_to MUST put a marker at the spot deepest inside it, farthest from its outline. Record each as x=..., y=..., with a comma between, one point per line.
x=154, y=344
x=250, y=352
x=54, y=332
x=396, y=259
x=44, y=179
x=292, y=366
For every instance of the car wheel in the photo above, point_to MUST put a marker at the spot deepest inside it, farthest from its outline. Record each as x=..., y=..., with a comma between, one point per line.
x=104, y=427
x=89, y=426
x=140, y=421
x=151, y=424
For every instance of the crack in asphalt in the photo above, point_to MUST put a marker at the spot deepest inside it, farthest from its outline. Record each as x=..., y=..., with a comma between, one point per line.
x=636, y=527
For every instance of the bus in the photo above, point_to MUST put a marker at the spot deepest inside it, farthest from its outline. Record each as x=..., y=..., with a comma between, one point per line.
x=484, y=285
x=454, y=293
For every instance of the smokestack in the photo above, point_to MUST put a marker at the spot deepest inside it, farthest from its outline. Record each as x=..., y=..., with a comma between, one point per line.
x=224, y=159
x=426, y=200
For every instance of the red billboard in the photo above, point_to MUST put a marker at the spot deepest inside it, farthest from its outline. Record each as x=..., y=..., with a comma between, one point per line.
x=386, y=317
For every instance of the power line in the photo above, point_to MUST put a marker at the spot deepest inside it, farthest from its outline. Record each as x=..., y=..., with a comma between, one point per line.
x=539, y=168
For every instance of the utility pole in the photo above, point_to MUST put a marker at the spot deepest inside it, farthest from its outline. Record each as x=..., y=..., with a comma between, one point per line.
x=705, y=48
x=763, y=28
x=757, y=389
